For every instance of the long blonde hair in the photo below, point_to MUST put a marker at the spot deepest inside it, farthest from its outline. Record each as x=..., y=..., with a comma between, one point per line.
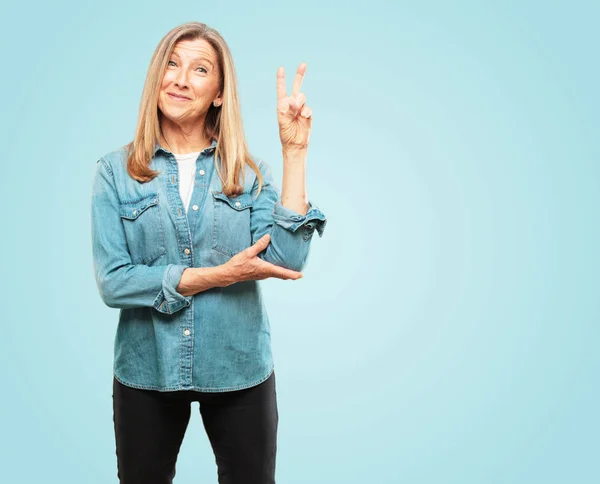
x=223, y=123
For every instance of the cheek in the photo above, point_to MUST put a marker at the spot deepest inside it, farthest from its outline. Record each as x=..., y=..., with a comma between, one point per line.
x=204, y=89
x=166, y=81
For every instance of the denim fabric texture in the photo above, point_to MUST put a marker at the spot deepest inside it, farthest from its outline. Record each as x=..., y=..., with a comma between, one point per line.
x=143, y=240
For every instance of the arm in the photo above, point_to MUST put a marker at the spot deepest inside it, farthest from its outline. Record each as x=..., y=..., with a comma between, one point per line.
x=200, y=279
x=292, y=220
x=290, y=231
x=122, y=284
x=293, y=192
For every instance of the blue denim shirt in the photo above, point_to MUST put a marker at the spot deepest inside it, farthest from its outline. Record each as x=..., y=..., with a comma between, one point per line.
x=143, y=239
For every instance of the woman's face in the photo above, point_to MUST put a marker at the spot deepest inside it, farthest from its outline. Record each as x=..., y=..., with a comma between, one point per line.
x=193, y=74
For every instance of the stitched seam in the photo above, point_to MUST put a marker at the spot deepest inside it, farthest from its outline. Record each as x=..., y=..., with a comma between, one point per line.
x=199, y=389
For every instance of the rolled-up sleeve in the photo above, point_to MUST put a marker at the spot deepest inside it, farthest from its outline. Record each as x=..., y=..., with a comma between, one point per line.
x=168, y=299
x=120, y=283
x=291, y=220
x=291, y=233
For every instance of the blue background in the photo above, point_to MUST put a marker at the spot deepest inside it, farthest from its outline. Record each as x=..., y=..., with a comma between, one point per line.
x=446, y=328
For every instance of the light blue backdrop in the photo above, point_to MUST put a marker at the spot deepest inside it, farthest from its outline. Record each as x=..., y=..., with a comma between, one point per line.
x=446, y=328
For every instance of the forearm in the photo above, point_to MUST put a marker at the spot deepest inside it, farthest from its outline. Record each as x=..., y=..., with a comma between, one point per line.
x=293, y=189
x=127, y=286
x=198, y=279
x=291, y=222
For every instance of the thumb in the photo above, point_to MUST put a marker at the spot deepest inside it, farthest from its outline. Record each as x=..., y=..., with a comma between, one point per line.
x=261, y=244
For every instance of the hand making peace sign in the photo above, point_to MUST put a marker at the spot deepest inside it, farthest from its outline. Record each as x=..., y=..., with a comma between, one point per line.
x=293, y=116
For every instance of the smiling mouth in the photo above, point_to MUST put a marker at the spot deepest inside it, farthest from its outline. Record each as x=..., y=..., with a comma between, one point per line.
x=178, y=98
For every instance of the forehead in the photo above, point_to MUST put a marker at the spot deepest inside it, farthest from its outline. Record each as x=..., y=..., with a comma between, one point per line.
x=195, y=48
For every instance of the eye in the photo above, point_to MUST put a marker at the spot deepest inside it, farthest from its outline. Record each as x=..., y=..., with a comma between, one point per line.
x=171, y=62
x=203, y=69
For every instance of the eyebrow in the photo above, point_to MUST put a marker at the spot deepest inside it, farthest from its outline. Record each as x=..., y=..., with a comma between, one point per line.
x=195, y=58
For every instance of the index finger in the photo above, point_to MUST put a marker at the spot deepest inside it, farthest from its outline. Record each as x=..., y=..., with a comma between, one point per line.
x=298, y=79
x=280, y=83
x=283, y=273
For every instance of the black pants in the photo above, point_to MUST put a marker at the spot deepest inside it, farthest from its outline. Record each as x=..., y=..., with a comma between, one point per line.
x=241, y=426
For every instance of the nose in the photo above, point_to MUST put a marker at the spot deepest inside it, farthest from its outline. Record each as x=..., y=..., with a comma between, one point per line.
x=181, y=78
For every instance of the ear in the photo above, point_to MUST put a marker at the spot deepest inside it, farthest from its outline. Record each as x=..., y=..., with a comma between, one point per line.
x=218, y=100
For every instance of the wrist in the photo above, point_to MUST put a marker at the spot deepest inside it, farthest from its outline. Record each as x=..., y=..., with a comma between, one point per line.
x=184, y=286
x=226, y=275
x=294, y=152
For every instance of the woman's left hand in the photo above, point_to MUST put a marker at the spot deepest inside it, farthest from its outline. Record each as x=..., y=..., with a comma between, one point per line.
x=293, y=116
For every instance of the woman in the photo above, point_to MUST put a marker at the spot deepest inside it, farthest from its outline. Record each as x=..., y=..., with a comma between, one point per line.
x=192, y=325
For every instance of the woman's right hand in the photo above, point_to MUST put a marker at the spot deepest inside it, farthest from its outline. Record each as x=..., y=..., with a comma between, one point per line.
x=247, y=266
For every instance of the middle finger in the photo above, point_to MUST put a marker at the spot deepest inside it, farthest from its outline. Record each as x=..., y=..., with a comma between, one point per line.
x=298, y=79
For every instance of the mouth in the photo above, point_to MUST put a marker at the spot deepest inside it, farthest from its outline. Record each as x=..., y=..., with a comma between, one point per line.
x=178, y=97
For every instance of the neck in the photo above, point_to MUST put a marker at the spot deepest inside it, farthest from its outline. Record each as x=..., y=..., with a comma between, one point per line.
x=183, y=139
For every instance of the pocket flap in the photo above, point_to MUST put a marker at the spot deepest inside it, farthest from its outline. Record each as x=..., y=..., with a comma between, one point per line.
x=242, y=201
x=131, y=209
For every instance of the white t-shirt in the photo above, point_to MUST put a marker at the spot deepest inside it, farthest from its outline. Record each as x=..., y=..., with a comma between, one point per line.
x=187, y=174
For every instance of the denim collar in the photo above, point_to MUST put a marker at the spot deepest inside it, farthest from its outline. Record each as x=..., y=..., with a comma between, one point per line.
x=157, y=147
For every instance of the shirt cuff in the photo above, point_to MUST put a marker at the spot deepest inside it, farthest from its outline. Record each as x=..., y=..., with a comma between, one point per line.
x=292, y=221
x=169, y=300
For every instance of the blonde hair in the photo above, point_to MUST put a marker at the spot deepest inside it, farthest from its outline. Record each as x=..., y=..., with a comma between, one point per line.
x=223, y=123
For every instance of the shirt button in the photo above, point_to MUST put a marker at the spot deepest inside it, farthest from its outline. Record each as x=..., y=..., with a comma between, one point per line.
x=201, y=172
x=237, y=204
x=195, y=207
x=187, y=251
x=187, y=332
x=134, y=212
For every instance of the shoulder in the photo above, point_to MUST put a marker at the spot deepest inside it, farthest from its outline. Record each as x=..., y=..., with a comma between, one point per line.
x=249, y=173
x=114, y=161
x=268, y=181
x=262, y=165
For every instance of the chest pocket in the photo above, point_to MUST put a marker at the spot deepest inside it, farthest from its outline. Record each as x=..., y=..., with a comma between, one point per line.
x=143, y=228
x=231, y=223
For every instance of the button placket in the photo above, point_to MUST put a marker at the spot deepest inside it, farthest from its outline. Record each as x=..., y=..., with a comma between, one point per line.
x=199, y=191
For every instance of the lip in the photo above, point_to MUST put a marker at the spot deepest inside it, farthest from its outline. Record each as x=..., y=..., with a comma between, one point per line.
x=178, y=97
